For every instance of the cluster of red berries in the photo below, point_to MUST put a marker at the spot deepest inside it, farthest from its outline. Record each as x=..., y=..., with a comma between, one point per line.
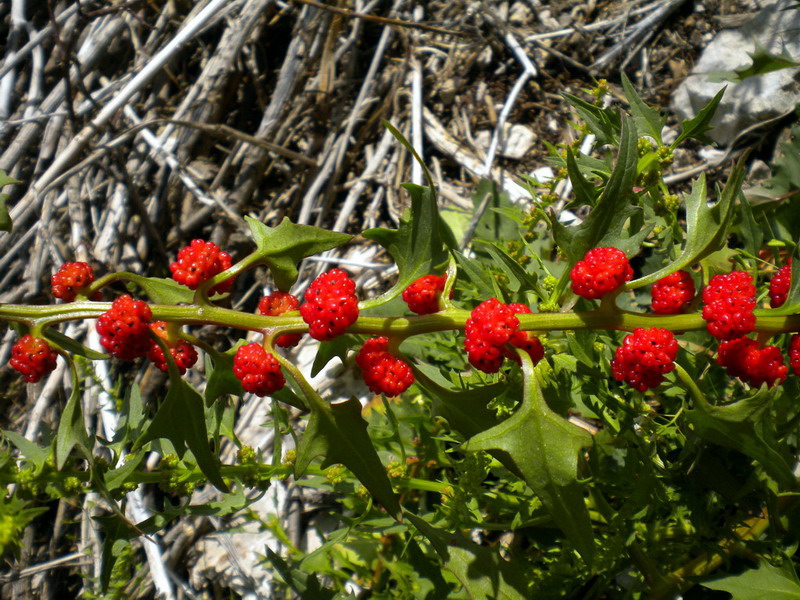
x=728, y=304
x=276, y=304
x=751, y=363
x=199, y=262
x=330, y=306
x=645, y=357
x=492, y=326
x=601, y=271
x=258, y=370
x=182, y=351
x=779, y=285
x=33, y=358
x=671, y=294
x=70, y=280
x=423, y=295
x=124, y=328
x=383, y=372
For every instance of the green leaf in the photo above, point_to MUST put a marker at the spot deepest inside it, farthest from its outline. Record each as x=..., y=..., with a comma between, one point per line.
x=338, y=433
x=163, y=291
x=482, y=572
x=35, y=453
x=478, y=276
x=417, y=245
x=765, y=62
x=545, y=448
x=648, y=120
x=327, y=351
x=116, y=477
x=706, y=228
x=116, y=535
x=181, y=420
x=72, y=346
x=282, y=248
x=585, y=192
x=763, y=583
x=603, y=123
x=518, y=278
x=5, y=218
x=220, y=379
x=604, y=225
x=744, y=426
x=72, y=431
x=696, y=127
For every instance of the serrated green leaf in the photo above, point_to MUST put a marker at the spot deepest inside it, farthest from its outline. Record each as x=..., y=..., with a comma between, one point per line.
x=481, y=571
x=338, y=433
x=181, y=420
x=220, y=379
x=764, y=62
x=545, y=448
x=763, y=583
x=72, y=431
x=486, y=286
x=417, y=245
x=605, y=224
x=648, y=120
x=116, y=477
x=603, y=123
x=585, y=193
x=518, y=278
x=337, y=347
x=696, y=127
x=282, y=248
x=706, y=227
x=744, y=426
x=163, y=291
x=32, y=452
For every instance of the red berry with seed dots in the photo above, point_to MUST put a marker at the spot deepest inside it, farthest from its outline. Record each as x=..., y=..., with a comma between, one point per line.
x=752, y=363
x=182, y=351
x=729, y=301
x=422, y=296
x=71, y=279
x=489, y=328
x=330, y=306
x=276, y=304
x=645, y=357
x=601, y=271
x=258, y=370
x=779, y=285
x=33, y=358
x=124, y=330
x=383, y=372
x=672, y=293
x=199, y=262
x=794, y=353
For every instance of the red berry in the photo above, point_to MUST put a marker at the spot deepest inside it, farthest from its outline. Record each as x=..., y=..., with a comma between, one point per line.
x=330, y=306
x=33, y=358
x=645, y=357
x=124, y=330
x=672, y=293
x=794, y=353
x=422, y=296
x=274, y=305
x=258, y=370
x=600, y=272
x=182, y=351
x=524, y=339
x=729, y=303
x=71, y=279
x=383, y=372
x=752, y=363
x=199, y=262
x=780, y=284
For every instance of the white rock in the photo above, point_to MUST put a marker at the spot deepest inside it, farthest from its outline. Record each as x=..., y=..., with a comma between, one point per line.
x=515, y=142
x=756, y=98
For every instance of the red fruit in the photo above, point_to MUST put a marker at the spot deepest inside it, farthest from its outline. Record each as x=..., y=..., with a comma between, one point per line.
x=794, y=353
x=524, y=339
x=199, y=262
x=779, y=285
x=70, y=280
x=672, y=293
x=645, y=357
x=600, y=272
x=124, y=330
x=182, y=351
x=33, y=358
x=331, y=305
x=422, y=296
x=258, y=370
x=729, y=303
x=383, y=372
x=275, y=304
x=752, y=363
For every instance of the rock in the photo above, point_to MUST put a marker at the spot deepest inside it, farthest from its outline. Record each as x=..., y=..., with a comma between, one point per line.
x=755, y=99
x=515, y=143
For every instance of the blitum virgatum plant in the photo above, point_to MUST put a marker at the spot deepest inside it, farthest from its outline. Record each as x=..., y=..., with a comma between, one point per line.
x=616, y=393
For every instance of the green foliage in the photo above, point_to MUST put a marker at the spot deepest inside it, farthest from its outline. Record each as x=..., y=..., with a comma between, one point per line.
x=5, y=218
